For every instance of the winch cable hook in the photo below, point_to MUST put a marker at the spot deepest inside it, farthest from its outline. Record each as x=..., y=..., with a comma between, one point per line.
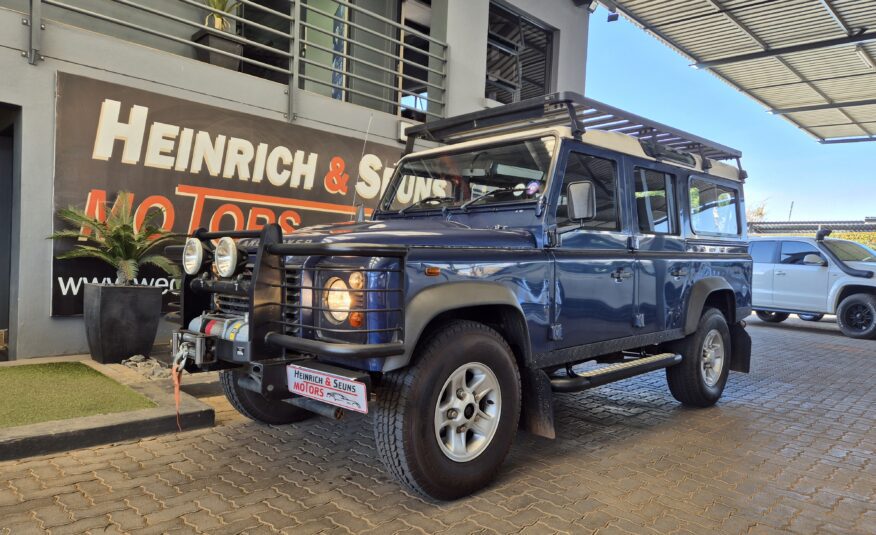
x=176, y=370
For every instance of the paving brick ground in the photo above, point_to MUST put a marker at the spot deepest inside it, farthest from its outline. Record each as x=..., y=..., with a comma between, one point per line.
x=790, y=448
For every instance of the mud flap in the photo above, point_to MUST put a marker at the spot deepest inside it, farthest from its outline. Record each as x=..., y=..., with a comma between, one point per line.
x=538, y=403
x=740, y=346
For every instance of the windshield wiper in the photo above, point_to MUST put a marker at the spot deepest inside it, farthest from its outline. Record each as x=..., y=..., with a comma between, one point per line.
x=490, y=194
x=424, y=201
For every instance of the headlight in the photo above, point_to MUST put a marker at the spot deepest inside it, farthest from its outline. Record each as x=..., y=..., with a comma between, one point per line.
x=193, y=256
x=225, y=257
x=336, y=300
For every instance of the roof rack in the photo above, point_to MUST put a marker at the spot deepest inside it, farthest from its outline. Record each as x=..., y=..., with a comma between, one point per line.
x=579, y=112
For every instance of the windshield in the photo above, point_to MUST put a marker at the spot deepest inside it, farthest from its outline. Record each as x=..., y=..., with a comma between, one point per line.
x=512, y=172
x=849, y=251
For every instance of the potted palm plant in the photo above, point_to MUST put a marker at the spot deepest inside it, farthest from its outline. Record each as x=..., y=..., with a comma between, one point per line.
x=215, y=35
x=121, y=319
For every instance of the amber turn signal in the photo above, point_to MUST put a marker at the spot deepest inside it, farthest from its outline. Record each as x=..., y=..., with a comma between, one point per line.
x=433, y=271
x=357, y=319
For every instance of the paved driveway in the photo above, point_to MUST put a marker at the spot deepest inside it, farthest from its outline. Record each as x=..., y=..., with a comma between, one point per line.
x=789, y=448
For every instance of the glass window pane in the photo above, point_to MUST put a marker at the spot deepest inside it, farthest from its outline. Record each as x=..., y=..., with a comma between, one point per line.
x=793, y=252
x=654, y=206
x=713, y=208
x=763, y=252
x=603, y=174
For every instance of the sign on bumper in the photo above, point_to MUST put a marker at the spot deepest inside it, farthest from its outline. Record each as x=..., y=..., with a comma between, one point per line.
x=328, y=388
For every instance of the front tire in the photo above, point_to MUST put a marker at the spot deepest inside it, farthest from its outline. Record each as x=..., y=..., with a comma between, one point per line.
x=444, y=425
x=771, y=317
x=856, y=316
x=257, y=407
x=699, y=379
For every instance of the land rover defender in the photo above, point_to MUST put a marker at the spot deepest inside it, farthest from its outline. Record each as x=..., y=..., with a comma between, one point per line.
x=534, y=238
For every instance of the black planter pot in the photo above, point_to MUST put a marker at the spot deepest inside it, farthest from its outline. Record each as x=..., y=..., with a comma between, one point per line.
x=216, y=39
x=121, y=321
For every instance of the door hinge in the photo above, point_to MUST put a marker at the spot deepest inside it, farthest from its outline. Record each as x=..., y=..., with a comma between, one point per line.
x=556, y=332
x=4, y=338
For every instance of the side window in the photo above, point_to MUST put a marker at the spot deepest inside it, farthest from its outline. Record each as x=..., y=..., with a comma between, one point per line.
x=654, y=204
x=714, y=209
x=793, y=252
x=603, y=173
x=763, y=252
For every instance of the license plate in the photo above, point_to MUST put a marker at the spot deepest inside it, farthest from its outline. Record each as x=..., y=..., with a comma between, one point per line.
x=328, y=388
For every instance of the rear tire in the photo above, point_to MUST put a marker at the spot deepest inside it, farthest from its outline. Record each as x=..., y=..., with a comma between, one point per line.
x=444, y=425
x=856, y=316
x=811, y=317
x=257, y=407
x=699, y=379
x=771, y=317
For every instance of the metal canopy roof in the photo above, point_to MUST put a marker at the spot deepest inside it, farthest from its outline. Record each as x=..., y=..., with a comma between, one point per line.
x=811, y=61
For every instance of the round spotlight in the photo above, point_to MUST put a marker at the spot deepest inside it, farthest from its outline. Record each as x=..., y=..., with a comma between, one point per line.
x=225, y=257
x=193, y=256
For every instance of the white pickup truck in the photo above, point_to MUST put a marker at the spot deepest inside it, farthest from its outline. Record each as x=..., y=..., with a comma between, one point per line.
x=815, y=276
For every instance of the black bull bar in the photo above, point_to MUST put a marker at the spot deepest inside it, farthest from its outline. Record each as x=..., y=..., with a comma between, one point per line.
x=265, y=295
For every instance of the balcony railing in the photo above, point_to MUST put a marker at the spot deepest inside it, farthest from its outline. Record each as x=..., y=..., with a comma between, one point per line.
x=332, y=47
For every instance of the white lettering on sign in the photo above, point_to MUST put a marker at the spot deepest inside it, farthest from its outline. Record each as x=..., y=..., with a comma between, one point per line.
x=170, y=146
x=110, y=128
x=328, y=388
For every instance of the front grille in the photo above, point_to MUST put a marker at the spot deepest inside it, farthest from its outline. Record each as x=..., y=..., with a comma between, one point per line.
x=292, y=300
x=235, y=304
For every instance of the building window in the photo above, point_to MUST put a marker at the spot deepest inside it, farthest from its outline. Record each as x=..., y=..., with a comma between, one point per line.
x=519, y=52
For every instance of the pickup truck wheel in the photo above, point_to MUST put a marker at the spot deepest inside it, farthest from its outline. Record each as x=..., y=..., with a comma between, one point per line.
x=856, y=316
x=699, y=379
x=257, y=407
x=444, y=425
x=771, y=317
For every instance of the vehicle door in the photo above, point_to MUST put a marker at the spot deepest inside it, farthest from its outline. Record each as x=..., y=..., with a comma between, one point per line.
x=594, y=267
x=796, y=284
x=763, y=254
x=662, y=271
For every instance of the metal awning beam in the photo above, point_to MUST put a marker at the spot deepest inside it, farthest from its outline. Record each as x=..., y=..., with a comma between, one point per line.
x=863, y=37
x=831, y=106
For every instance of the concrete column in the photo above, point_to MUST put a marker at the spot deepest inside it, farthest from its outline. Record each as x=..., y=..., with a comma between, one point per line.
x=463, y=26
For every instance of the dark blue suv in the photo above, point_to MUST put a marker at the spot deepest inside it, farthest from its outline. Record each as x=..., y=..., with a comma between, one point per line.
x=540, y=240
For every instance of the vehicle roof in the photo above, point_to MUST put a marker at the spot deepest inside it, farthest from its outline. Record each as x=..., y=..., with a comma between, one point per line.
x=613, y=141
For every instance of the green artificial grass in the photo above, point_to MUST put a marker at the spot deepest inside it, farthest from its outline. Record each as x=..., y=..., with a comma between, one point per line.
x=32, y=393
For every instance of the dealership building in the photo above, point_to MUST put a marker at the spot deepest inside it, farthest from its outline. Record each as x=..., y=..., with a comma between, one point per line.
x=281, y=111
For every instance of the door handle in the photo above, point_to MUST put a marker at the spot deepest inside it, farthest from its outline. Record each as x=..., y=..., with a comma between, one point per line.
x=620, y=274
x=679, y=272
x=781, y=273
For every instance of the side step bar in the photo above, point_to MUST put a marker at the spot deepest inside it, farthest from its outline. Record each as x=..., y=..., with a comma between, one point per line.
x=615, y=372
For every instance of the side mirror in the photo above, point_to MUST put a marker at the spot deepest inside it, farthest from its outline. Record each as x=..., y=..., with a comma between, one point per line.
x=814, y=260
x=581, y=198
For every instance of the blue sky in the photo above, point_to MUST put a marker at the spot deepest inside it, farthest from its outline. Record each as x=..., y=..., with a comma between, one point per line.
x=630, y=69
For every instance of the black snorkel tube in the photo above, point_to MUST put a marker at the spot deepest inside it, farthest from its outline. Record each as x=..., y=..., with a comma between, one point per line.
x=847, y=269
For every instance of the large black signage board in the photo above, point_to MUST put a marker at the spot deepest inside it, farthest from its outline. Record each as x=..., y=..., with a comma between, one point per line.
x=205, y=166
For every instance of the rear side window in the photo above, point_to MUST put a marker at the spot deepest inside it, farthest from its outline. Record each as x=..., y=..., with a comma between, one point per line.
x=763, y=252
x=793, y=252
x=714, y=208
x=654, y=206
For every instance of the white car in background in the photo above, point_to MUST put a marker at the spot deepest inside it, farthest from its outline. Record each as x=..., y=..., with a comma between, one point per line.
x=812, y=277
